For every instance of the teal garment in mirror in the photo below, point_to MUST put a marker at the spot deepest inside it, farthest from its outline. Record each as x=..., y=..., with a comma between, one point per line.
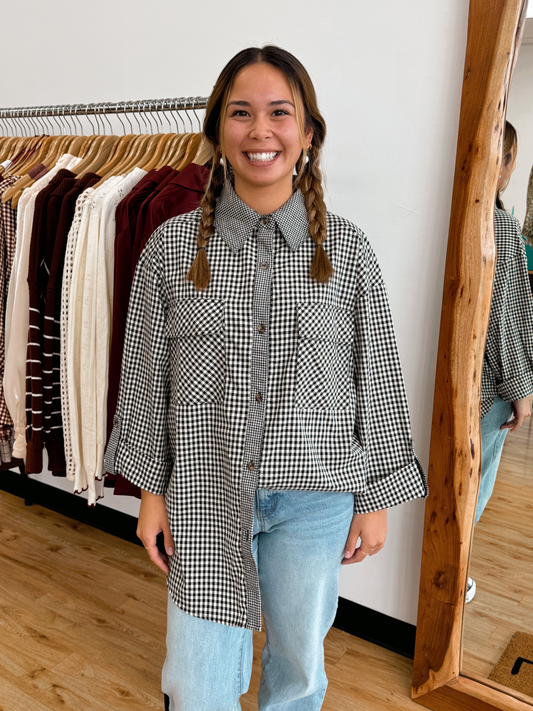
x=529, y=254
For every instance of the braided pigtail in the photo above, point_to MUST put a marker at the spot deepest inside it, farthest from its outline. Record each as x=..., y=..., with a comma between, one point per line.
x=199, y=273
x=310, y=183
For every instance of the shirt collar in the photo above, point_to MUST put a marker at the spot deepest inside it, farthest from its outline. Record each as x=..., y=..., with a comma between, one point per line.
x=235, y=221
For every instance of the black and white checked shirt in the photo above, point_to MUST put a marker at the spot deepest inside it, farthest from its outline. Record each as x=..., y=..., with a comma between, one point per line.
x=267, y=379
x=508, y=361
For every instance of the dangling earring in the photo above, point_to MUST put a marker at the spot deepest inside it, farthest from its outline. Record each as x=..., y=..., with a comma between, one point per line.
x=306, y=158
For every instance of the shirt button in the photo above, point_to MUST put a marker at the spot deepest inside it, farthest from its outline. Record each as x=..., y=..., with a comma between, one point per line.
x=115, y=421
x=251, y=466
x=259, y=397
x=261, y=328
x=264, y=265
x=264, y=221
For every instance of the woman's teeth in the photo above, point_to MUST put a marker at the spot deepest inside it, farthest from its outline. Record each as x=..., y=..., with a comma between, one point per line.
x=264, y=157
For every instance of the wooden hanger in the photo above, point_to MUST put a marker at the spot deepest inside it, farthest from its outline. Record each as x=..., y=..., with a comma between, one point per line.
x=178, y=144
x=44, y=155
x=140, y=148
x=122, y=148
x=204, y=153
x=36, y=158
x=61, y=146
x=192, y=148
x=13, y=148
x=97, y=155
x=160, y=151
x=18, y=151
x=123, y=159
x=21, y=166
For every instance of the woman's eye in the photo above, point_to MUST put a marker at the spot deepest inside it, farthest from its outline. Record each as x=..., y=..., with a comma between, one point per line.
x=240, y=112
x=280, y=112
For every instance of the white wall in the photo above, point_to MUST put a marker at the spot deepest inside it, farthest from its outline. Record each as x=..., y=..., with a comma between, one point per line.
x=520, y=114
x=388, y=76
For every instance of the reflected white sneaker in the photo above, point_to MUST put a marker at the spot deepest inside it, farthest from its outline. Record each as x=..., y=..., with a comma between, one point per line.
x=470, y=590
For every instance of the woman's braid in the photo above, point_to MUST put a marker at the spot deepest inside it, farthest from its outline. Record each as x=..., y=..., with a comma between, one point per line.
x=199, y=273
x=311, y=186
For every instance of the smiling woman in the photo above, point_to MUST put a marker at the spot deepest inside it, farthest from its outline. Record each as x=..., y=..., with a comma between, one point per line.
x=271, y=395
x=266, y=100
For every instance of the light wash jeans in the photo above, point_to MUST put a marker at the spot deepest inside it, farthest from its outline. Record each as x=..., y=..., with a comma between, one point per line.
x=298, y=545
x=492, y=440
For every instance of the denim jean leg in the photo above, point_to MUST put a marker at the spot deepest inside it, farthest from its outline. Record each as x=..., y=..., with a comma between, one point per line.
x=208, y=665
x=492, y=441
x=300, y=550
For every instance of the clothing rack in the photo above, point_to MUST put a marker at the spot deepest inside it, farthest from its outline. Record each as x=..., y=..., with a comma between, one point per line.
x=30, y=116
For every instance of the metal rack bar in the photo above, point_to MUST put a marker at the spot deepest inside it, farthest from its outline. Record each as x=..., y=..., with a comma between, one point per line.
x=107, y=107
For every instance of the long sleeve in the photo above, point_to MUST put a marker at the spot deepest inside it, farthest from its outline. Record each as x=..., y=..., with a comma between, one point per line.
x=139, y=446
x=81, y=213
x=393, y=473
x=104, y=306
x=510, y=355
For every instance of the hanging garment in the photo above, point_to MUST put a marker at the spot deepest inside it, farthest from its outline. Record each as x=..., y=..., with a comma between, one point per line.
x=95, y=328
x=40, y=258
x=7, y=255
x=53, y=421
x=79, y=336
x=166, y=174
x=17, y=310
x=183, y=194
x=81, y=213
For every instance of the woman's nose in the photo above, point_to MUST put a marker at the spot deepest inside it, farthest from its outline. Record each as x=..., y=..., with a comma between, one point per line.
x=260, y=129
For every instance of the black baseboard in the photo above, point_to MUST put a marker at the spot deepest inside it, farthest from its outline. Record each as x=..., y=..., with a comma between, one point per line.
x=355, y=619
x=102, y=517
x=375, y=627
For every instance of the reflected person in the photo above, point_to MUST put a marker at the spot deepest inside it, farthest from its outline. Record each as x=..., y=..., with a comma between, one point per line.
x=507, y=378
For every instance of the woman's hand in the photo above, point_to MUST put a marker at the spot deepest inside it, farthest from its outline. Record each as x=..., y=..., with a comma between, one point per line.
x=371, y=528
x=153, y=519
x=521, y=410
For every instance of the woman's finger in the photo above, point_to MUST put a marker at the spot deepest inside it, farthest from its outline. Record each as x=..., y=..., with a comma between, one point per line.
x=157, y=557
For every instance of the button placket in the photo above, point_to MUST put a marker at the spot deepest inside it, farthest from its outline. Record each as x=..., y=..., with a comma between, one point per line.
x=259, y=372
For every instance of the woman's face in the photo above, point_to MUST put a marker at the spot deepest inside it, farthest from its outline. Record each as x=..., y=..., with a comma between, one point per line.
x=507, y=171
x=260, y=134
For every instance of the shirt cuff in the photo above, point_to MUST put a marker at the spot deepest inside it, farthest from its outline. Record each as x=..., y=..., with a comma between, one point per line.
x=146, y=473
x=403, y=485
x=135, y=465
x=517, y=388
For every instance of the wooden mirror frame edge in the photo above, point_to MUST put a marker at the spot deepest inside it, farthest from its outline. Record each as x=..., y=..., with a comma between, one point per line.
x=494, y=31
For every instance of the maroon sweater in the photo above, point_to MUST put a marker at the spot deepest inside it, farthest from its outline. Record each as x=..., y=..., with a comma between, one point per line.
x=60, y=212
x=38, y=270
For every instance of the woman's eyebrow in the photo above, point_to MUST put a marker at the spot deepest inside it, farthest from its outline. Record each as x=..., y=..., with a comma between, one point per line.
x=272, y=103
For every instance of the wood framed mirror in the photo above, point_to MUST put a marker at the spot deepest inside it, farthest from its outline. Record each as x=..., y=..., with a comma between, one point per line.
x=494, y=33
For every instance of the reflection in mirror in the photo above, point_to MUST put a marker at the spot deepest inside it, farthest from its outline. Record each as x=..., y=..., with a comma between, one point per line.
x=498, y=629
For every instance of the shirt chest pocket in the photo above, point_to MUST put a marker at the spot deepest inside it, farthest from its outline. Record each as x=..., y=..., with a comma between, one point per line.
x=324, y=379
x=196, y=333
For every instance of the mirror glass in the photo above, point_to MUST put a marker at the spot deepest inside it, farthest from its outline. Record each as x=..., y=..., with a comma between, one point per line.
x=498, y=630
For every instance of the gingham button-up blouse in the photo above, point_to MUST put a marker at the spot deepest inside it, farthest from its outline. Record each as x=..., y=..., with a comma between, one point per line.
x=267, y=379
x=508, y=360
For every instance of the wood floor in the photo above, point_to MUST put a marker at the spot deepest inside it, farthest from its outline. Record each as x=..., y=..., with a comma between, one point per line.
x=502, y=560
x=82, y=627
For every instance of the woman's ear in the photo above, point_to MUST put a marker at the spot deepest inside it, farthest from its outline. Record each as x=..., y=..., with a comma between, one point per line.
x=309, y=135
